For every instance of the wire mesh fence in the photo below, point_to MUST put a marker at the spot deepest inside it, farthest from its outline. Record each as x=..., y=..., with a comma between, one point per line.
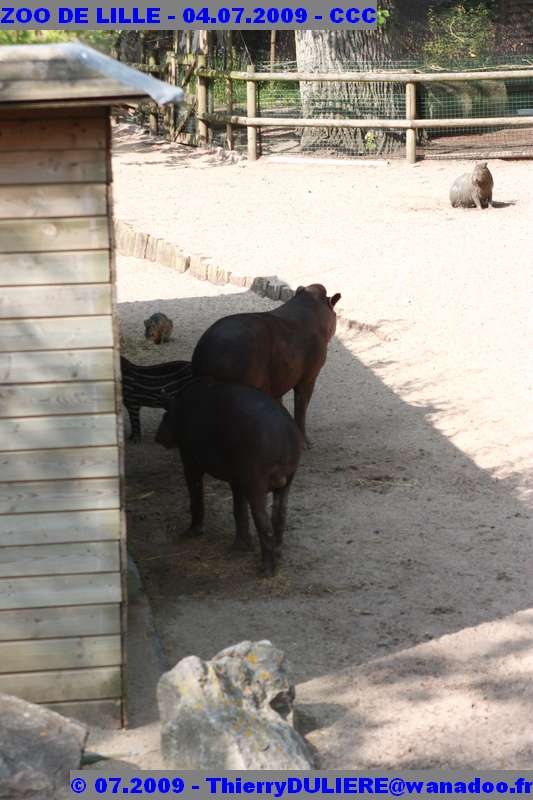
x=477, y=99
x=287, y=99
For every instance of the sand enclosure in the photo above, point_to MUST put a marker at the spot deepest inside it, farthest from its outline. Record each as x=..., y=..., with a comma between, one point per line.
x=402, y=600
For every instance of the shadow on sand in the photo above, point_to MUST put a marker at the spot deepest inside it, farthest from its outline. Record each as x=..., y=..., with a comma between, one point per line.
x=396, y=538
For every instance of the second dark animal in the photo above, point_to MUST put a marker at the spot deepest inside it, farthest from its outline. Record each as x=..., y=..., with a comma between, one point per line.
x=473, y=190
x=274, y=350
x=142, y=386
x=158, y=328
x=240, y=435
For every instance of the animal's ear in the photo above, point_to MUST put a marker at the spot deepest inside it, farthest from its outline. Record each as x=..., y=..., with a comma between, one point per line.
x=166, y=400
x=300, y=289
x=335, y=299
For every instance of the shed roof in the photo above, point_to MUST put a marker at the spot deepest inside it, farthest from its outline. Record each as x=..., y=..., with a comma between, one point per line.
x=73, y=73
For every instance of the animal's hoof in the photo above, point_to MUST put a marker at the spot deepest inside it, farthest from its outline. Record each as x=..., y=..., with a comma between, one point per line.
x=240, y=547
x=308, y=444
x=236, y=552
x=267, y=570
x=193, y=532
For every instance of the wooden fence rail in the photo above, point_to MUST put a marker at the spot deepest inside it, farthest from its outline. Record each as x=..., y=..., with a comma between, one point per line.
x=400, y=124
x=386, y=76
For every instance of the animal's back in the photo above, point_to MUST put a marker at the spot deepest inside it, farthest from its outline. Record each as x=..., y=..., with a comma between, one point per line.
x=266, y=350
x=461, y=191
x=228, y=349
x=237, y=428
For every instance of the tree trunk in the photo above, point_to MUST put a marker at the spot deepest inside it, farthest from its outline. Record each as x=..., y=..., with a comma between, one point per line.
x=129, y=46
x=342, y=51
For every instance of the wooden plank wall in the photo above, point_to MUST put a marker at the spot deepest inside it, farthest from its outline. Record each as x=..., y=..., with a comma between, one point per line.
x=61, y=529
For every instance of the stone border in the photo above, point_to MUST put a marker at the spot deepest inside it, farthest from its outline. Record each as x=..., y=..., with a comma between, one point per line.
x=130, y=242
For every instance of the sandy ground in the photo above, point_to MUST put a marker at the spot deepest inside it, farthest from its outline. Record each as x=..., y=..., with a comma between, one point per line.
x=402, y=600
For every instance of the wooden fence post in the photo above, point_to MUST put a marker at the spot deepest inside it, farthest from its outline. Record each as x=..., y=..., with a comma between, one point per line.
x=229, y=106
x=201, y=96
x=153, y=120
x=174, y=73
x=251, y=111
x=410, y=114
x=228, y=64
x=170, y=109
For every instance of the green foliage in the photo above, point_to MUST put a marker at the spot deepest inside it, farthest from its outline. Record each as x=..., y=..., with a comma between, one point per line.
x=383, y=15
x=370, y=142
x=100, y=40
x=33, y=37
x=460, y=31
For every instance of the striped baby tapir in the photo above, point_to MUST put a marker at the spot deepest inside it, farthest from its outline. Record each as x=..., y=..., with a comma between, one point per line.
x=146, y=385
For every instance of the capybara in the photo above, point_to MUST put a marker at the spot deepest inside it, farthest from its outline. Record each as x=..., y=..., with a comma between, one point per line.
x=473, y=190
x=240, y=435
x=158, y=327
x=274, y=350
x=142, y=386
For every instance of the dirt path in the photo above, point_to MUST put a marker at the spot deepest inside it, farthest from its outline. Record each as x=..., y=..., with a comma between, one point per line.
x=383, y=235
x=407, y=565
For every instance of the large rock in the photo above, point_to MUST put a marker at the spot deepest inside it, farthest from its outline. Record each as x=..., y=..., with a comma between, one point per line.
x=233, y=712
x=466, y=99
x=37, y=749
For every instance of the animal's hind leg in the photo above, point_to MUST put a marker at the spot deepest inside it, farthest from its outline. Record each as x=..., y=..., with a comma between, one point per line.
x=279, y=513
x=195, y=483
x=135, y=422
x=242, y=540
x=302, y=395
x=258, y=504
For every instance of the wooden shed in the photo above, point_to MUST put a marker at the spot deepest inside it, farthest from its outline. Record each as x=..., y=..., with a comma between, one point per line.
x=62, y=531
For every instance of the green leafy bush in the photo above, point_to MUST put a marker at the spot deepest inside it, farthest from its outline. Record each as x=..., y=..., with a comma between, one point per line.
x=383, y=14
x=34, y=37
x=460, y=32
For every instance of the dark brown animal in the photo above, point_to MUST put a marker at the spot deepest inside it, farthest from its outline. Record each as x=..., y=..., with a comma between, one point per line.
x=473, y=190
x=158, y=327
x=240, y=435
x=275, y=351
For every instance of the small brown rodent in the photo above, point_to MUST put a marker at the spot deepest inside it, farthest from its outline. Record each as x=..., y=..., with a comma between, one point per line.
x=158, y=328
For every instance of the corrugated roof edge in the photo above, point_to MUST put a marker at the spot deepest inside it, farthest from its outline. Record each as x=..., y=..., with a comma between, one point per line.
x=159, y=91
